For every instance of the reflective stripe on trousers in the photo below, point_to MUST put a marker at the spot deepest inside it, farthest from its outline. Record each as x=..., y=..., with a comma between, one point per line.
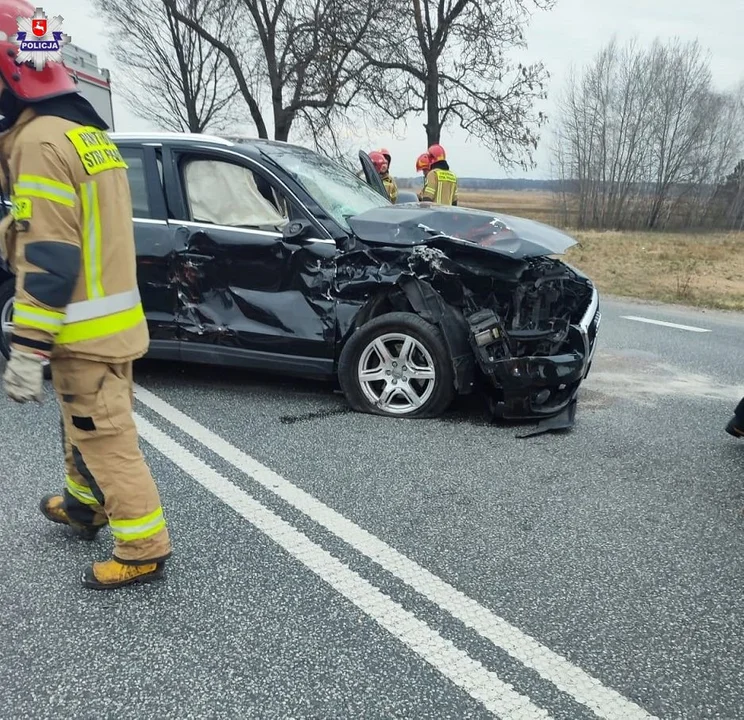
x=138, y=528
x=80, y=492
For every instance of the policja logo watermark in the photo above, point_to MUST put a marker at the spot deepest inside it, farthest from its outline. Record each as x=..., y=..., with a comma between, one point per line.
x=40, y=40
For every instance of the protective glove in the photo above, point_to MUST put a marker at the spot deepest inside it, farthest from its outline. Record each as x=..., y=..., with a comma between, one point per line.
x=24, y=377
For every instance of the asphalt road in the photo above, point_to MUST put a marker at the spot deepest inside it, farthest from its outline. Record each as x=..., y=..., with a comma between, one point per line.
x=334, y=565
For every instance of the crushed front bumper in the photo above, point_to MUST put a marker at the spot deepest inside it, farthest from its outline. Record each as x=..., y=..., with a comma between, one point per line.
x=538, y=386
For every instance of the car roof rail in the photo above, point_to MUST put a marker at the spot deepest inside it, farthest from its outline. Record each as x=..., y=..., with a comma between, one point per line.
x=195, y=137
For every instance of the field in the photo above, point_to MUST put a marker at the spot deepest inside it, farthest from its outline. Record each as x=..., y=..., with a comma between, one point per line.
x=536, y=205
x=706, y=270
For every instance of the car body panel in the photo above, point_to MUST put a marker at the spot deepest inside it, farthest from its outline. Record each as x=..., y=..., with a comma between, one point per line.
x=415, y=224
x=248, y=291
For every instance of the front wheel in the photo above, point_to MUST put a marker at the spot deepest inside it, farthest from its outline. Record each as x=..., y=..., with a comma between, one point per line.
x=7, y=292
x=397, y=365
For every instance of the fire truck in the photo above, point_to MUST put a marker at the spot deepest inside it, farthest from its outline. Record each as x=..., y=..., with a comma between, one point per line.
x=93, y=82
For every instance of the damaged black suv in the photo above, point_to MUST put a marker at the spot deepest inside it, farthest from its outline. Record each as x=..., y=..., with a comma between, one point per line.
x=267, y=255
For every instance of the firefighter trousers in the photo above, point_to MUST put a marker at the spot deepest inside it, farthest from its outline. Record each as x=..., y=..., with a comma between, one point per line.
x=108, y=479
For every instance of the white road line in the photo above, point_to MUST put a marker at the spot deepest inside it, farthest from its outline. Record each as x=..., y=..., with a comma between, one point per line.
x=605, y=702
x=691, y=328
x=480, y=683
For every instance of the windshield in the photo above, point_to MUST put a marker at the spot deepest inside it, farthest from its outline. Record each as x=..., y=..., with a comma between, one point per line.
x=337, y=190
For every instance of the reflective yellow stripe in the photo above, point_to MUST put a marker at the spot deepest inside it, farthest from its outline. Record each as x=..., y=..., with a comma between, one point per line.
x=138, y=528
x=101, y=327
x=91, y=309
x=91, y=239
x=80, y=492
x=46, y=188
x=34, y=317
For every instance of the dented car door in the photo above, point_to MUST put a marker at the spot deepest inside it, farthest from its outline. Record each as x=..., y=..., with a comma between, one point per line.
x=253, y=272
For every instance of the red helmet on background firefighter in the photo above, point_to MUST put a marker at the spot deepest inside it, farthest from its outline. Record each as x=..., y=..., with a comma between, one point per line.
x=379, y=161
x=423, y=163
x=436, y=153
x=382, y=165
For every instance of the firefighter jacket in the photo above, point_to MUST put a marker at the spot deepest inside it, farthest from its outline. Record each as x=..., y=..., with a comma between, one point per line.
x=70, y=243
x=440, y=186
x=391, y=186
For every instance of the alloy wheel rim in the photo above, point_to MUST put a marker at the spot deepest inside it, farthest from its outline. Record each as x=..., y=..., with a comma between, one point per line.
x=6, y=321
x=396, y=373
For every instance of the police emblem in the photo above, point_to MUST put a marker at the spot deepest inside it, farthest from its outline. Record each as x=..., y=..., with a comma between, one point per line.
x=40, y=40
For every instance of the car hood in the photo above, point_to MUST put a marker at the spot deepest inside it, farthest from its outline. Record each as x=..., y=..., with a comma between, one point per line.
x=414, y=224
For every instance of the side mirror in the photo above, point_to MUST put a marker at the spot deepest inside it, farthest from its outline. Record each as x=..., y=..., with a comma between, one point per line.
x=297, y=230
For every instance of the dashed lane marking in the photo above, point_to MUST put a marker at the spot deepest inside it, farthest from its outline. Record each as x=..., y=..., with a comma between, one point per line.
x=482, y=684
x=605, y=702
x=691, y=328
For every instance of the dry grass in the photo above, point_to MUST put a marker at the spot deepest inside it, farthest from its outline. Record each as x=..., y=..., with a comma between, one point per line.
x=536, y=205
x=702, y=270
x=706, y=270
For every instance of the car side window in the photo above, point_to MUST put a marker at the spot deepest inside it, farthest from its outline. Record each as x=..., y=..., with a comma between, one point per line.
x=221, y=192
x=135, y=159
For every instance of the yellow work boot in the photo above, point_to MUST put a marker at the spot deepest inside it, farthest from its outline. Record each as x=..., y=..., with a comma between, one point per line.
x=53, y=508
x=113, y=574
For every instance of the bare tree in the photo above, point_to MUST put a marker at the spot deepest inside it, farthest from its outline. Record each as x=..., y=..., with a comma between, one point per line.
x=448, y=58
x=678, y=115
x=175, y=78
x=301, y=55
x=643, y=140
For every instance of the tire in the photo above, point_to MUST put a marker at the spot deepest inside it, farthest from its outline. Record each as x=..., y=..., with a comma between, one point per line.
x=433, y=389
x=7, y=292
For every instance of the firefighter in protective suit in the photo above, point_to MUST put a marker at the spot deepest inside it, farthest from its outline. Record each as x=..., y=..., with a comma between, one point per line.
x=69, y=241
x=423, y=165
x=381, y=165
x=441, y=183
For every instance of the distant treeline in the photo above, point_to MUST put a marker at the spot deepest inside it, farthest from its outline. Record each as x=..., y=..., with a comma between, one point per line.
x=476, y=183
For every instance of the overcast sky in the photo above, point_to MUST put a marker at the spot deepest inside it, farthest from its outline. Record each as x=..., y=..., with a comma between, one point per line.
x=570, y=34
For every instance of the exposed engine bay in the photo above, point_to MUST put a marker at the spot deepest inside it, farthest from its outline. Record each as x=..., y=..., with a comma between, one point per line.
x=526, y=323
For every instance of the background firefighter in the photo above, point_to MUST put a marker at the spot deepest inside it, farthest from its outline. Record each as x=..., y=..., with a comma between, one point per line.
x=423, y=165
x=69, y=240
x=735, y=426
x=386, y=154
x=381, y=165
x=440, y=185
